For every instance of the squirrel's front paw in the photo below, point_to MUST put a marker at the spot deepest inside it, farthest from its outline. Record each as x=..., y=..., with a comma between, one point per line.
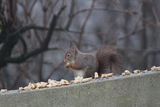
x=66, y=66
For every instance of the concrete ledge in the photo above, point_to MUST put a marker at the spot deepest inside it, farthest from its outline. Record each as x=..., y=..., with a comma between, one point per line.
x=136, y=90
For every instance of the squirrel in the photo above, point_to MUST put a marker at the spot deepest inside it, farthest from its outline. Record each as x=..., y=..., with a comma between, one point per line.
x=86, y=64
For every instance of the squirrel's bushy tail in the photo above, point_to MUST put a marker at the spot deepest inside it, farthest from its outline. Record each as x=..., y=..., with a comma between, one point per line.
x=108, y=58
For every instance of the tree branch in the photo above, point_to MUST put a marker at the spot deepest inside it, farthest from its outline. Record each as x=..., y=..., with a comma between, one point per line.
x=84, y=24
x=24, y=44
x=50, y=31
x=42, y=48
x=70, y=15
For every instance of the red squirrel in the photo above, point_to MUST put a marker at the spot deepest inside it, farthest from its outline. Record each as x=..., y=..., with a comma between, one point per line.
x=86, y=64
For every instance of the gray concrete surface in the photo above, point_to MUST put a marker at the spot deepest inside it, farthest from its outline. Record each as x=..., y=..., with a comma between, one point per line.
x=136, y=90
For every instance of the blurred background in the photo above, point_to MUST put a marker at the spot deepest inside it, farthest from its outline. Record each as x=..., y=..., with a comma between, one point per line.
x=34, y=35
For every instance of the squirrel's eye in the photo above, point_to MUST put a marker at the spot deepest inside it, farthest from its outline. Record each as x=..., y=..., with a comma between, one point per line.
x=68, y=55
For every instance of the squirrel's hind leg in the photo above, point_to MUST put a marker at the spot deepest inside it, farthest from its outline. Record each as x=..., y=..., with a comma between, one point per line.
x=89, y=73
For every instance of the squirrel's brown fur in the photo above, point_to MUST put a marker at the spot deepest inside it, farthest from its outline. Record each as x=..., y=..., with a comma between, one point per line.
x=106, y=57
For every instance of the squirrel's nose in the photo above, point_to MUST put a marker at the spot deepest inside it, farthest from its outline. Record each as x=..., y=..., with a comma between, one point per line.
x=64, y=60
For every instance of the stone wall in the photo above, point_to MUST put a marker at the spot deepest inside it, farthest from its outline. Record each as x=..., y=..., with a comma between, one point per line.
x=136, y=90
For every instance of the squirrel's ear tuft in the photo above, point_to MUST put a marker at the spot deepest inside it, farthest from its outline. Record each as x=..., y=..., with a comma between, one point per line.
x=73, y=47
x=72, y=43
